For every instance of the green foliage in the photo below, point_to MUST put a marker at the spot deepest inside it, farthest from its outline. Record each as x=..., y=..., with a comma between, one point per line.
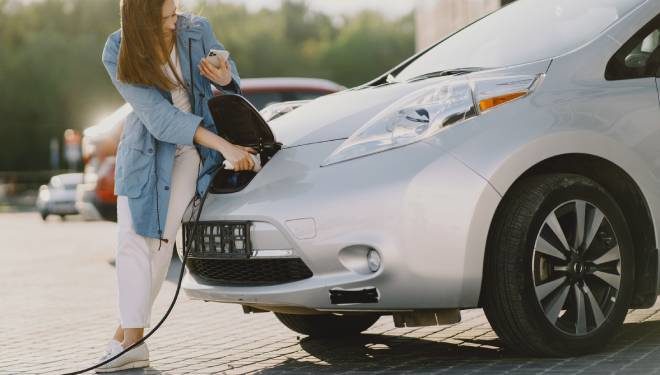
x=52, y=78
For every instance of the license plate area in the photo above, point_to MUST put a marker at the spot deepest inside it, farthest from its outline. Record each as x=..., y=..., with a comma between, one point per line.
x=218, y=240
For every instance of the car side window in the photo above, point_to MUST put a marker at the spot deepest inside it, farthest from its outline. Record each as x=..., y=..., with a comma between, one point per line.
x=639, y=57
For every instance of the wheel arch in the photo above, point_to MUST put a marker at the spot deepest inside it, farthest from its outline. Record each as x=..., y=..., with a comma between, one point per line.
x=630, y=198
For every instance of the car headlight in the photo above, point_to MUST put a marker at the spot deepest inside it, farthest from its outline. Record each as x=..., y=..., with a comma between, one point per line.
x=44, y=193
x=428, y=111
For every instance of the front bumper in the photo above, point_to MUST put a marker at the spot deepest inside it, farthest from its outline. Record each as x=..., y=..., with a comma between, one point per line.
x=62, y=207
x=425, y=213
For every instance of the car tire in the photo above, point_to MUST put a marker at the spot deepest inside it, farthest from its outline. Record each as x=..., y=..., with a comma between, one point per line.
x=540, y=304
x=328, y=325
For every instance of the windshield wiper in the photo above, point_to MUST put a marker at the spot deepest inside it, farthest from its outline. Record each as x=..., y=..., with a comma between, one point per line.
x=390, y=79
x=442, y=73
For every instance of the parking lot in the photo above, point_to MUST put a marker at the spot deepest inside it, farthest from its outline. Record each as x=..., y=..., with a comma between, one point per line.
x=57, y=311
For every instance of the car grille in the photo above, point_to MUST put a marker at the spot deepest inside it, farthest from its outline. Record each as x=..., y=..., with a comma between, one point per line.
x=218, y=239
x=220, y=253
x=249, y=271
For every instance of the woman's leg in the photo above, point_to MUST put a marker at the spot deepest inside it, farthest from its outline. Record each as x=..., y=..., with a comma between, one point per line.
x=119, y=334
x=135, y=305
x=182, y=190
x=133, y=263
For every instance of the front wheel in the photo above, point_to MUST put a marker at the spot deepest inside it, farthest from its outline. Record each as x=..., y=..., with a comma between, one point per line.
x=559, y=270
x=329, y=325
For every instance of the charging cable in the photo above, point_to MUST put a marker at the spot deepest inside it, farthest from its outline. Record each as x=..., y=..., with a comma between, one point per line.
x=186, y=249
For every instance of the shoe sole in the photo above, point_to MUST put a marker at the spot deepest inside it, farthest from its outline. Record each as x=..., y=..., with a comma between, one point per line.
x=130, y=365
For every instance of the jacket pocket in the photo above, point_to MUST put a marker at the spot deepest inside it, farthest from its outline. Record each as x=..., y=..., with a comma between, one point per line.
x=133, y=171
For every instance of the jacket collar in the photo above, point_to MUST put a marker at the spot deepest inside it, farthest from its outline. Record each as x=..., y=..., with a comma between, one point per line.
x=187, y=27
x=187, y=31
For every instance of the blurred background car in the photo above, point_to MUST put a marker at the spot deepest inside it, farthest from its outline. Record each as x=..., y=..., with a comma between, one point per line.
x=59, y=196
x=264, y=91
x=95, y=198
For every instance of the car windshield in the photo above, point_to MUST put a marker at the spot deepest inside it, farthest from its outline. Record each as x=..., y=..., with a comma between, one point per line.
x=524, y=31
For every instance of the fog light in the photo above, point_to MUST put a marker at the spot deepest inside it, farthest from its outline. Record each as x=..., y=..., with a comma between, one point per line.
x=373, y=260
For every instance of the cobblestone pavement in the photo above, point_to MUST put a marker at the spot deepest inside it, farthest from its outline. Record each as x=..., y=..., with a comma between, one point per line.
x=57, y=311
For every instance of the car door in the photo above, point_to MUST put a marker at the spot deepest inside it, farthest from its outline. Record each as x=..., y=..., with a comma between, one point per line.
x=632, y=75
x=657, y=81
x=654, y=59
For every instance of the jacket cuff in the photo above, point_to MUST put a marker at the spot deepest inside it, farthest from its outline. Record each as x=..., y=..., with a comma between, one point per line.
x=231, y=86
x=188, y=129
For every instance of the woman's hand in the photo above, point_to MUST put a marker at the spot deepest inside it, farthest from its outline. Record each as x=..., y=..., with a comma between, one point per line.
x=221, y=75
x=239, y=156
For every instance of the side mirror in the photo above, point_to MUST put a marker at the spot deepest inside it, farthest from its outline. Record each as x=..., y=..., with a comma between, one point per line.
x=637, y=60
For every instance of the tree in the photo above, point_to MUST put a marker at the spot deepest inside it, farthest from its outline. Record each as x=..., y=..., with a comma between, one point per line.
x=52, y=78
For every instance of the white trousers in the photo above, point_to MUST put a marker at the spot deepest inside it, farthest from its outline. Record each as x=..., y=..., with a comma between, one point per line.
x=141, y=266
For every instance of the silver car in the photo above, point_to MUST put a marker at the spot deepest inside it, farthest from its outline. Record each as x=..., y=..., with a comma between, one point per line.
x=59, y=196
x=513, y=166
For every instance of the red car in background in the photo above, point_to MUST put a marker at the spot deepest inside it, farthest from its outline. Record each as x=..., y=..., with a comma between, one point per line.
x=95, y=197
x=264, y=91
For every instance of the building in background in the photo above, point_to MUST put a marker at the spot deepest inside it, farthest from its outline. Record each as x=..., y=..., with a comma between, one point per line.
x=435, y=19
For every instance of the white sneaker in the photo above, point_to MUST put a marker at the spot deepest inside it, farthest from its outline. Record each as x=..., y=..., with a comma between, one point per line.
x=111, y=344
x=136, y=358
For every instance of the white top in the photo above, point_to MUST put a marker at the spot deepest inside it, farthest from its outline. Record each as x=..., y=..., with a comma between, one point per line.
x=179, y=93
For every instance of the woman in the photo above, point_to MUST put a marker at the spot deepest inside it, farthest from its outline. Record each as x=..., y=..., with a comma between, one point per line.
x=168, y=147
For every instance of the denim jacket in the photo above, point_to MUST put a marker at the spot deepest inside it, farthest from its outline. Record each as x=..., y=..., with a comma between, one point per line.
x=145, y=155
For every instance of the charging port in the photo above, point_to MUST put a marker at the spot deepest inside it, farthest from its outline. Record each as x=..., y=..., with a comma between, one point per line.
x=240, y=123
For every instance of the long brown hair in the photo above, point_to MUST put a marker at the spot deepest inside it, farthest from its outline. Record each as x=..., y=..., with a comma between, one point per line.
x=143, y=51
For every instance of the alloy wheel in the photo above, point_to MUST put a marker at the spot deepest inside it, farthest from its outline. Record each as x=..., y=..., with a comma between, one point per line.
x=576, y=267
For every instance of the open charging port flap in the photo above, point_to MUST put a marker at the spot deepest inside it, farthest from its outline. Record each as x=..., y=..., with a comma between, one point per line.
x=240, y=123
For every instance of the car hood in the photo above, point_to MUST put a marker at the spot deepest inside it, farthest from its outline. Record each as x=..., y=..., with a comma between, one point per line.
x=339, y=115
